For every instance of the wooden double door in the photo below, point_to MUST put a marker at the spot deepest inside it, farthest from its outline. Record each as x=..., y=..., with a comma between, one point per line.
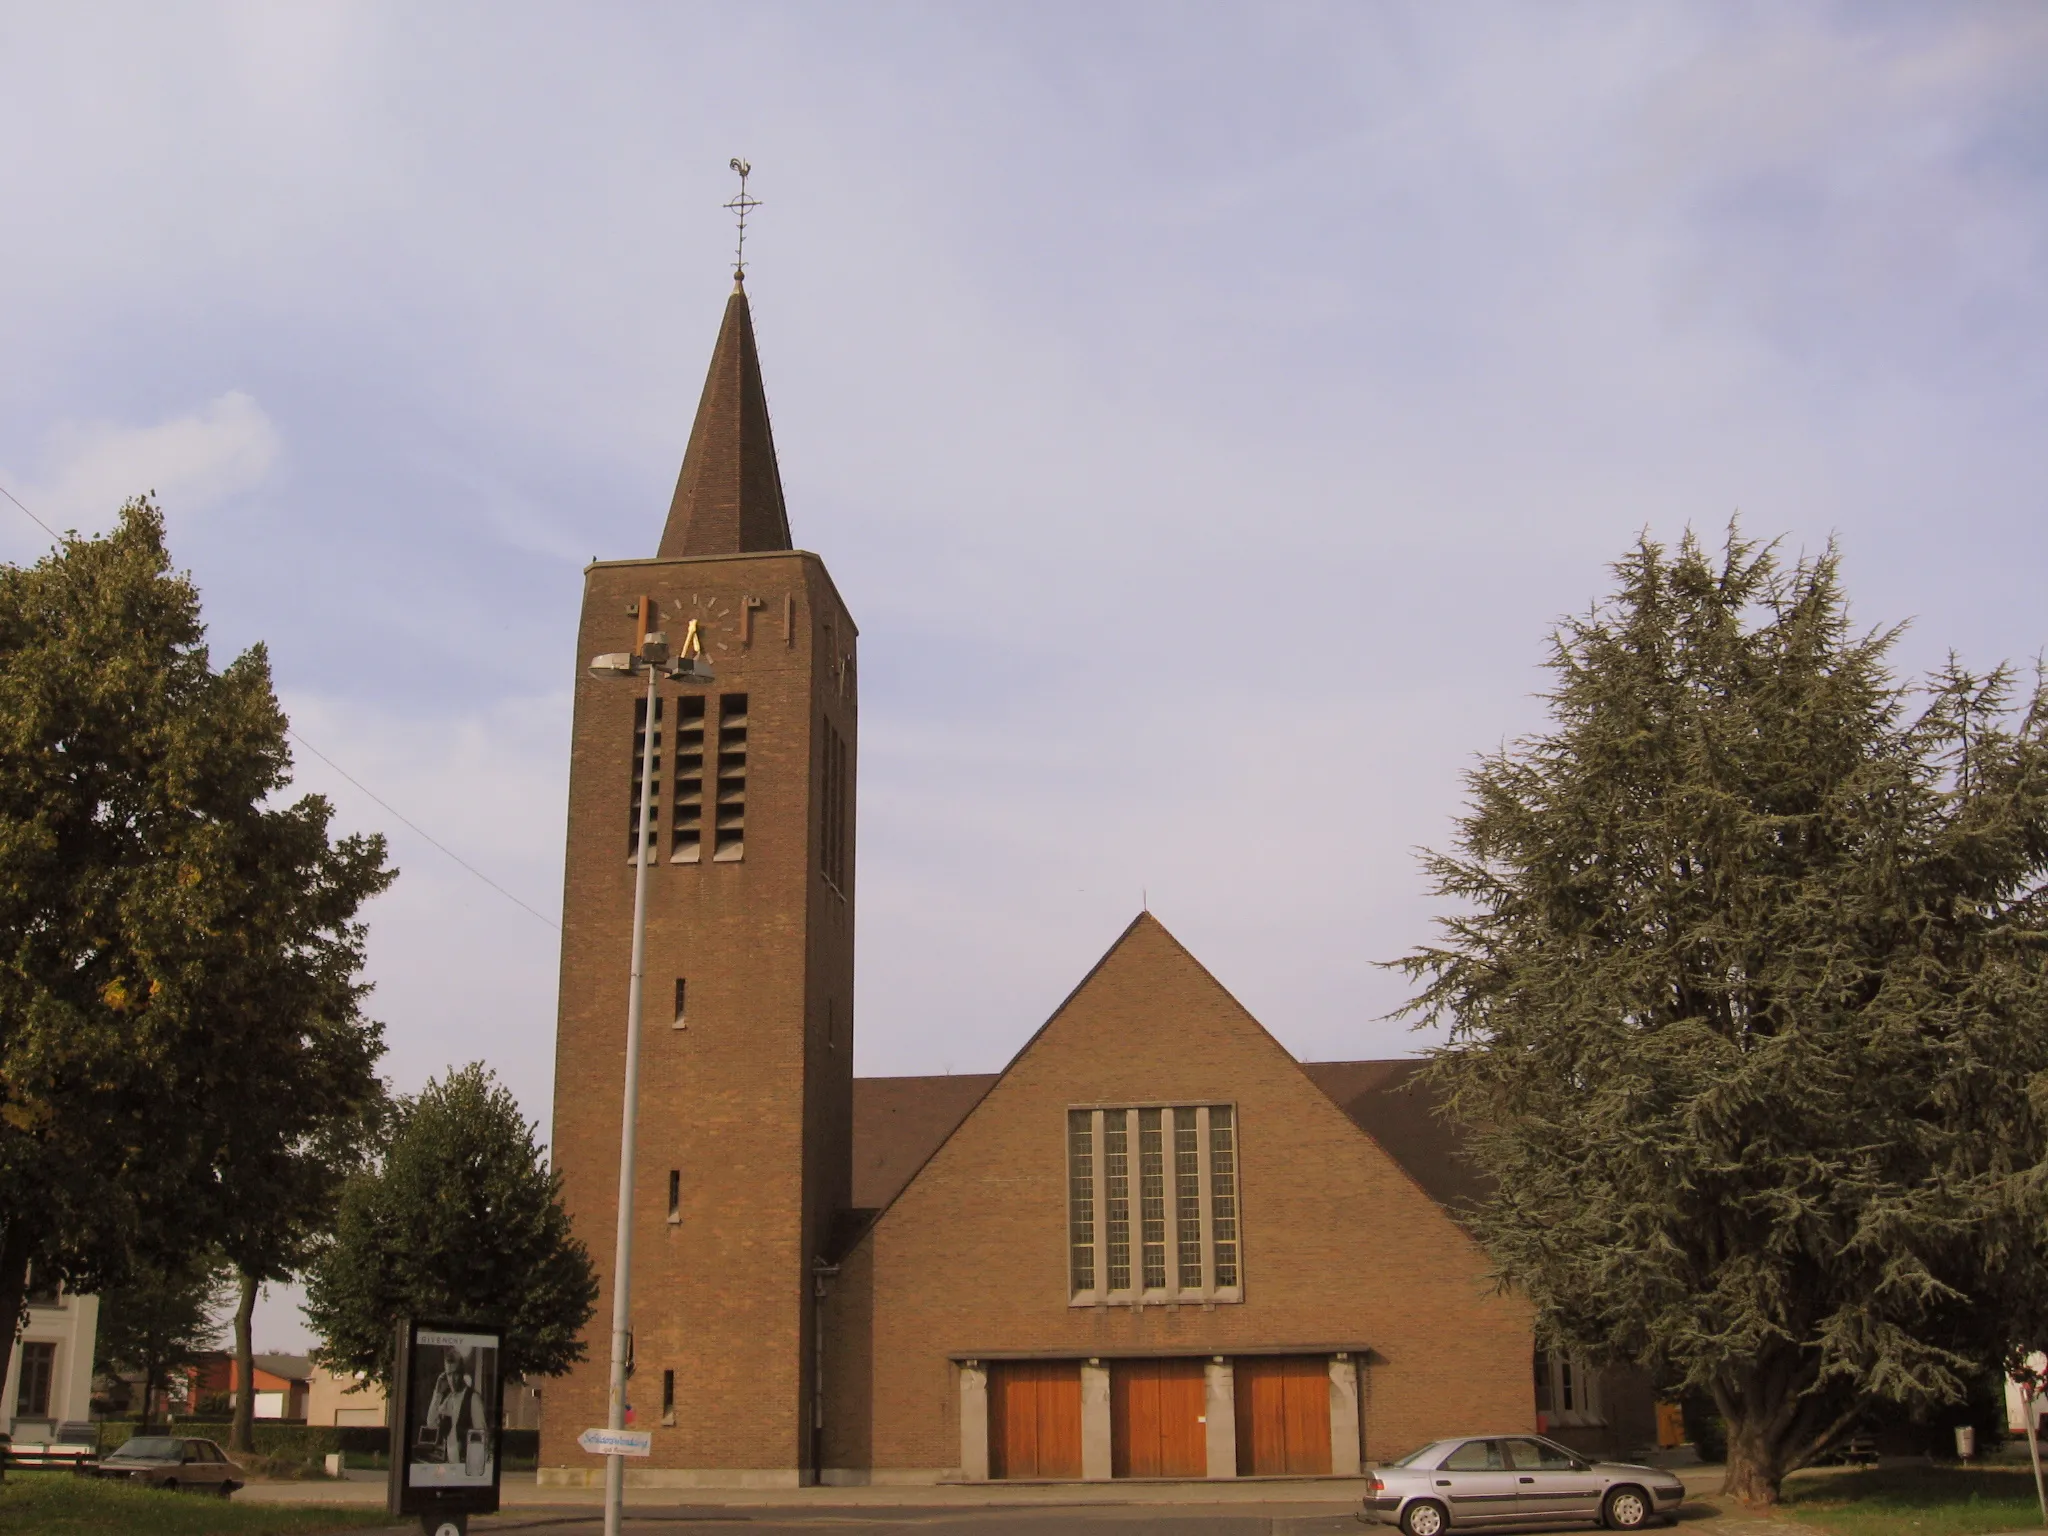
x=1283, y=1415
x=1156, y=1419
x=1034, y=1418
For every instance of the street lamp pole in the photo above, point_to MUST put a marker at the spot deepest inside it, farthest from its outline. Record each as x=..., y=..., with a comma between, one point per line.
x=688, y=667
x=622, y=1255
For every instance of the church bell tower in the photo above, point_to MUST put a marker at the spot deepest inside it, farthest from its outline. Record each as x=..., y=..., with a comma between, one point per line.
x=746, y=1060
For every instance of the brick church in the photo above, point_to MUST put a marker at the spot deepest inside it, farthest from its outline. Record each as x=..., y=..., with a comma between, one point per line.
x=1154, y=1245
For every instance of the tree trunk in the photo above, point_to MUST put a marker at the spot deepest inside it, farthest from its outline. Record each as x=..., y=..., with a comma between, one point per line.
x=242, y=1433
x=1778, y=1420
x=149, y=1380
x=1755, y=1469
x=14, y=1255
x=13, y=1284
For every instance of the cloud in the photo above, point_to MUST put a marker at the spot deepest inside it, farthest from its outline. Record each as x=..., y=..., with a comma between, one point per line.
x=192, y=462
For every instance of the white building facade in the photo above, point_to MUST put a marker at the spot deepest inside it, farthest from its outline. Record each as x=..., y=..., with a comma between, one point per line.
x=47, y=1395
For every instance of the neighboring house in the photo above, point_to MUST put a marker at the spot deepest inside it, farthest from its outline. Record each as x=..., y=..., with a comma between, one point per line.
x=353, y=1398
x=335, y=1397
x=48, y=1388
x=522, y=1405
x=1156, y=1245
x=119, y=1394
x=282, y=1383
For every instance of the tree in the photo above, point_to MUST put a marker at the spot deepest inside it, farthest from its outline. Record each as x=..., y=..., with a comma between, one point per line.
x=179, y=1024
x=160, y=1320
x=462, y=1219
x=282, y=1193
x=1744, y=998
x=126, y=763
x=290, y=990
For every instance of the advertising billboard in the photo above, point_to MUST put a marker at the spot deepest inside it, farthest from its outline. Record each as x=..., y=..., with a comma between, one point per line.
x=444, y=1424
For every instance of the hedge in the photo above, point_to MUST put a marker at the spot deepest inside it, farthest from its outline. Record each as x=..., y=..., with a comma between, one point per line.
x=302, y=1442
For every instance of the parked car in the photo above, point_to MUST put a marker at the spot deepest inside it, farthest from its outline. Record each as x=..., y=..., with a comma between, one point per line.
x=1500, y=1480
x=171, y=1461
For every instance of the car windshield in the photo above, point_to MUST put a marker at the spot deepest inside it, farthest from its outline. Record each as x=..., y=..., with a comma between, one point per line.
x=152, y=1448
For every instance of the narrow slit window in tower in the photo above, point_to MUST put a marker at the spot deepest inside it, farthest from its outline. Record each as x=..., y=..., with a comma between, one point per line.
x=654, y=790
x=686, y=809
x=832, y=818
x=675, y=1195
x=668, y=1397
x=682, y=999
x=731, y=822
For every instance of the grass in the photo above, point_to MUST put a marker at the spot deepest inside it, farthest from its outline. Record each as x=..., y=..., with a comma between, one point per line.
x=58, y=1504
x=1914, y=1501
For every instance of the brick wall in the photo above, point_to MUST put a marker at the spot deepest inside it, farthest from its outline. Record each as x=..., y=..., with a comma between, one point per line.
x=1339, y=1245
x=752, y=1101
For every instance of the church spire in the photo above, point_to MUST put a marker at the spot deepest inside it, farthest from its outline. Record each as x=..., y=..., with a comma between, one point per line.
x=729, y=496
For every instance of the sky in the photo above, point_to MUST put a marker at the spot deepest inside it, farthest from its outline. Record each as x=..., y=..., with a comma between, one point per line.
x=1206, y=410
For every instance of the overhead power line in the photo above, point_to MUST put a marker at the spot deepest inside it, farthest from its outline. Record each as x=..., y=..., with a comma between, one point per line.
x=330, y=762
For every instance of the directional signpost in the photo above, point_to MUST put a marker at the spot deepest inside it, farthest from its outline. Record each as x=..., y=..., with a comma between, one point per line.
x=617, y=1442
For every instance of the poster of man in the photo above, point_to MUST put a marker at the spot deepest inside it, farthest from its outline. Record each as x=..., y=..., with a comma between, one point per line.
x=451, y=1431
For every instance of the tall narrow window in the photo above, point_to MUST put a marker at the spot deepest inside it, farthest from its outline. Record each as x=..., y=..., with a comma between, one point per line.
x=832, y=812
x=653, y=790
x=1116, y=1166
x=1223, y=1194
x=1081, y=1198
x=1152, y=1197
x=682, y=1002
x=668, y=1397
x=686, y=808
x=731, y=832
x=1186, y=1198
x=675, y=1194
x=32, y=1395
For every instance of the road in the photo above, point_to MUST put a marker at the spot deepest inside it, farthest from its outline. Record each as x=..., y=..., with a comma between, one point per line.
x=987, y=1520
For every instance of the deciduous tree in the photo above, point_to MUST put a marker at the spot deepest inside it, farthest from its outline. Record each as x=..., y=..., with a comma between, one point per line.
x=126, y=762
x=180, y=1036
x=159, y=1320
x=1744, y=986
x=461, y=1219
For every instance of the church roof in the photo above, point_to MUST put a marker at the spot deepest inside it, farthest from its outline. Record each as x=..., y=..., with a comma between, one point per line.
x=899, y=1122
x=728, y=497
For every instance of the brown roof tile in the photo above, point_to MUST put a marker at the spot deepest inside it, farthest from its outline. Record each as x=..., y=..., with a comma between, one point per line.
x=899, y=1122
x=728, y=498
x=1385, y=1101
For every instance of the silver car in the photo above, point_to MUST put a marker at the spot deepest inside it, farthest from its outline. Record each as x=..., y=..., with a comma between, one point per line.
x=171, y=1461
x=1514, y=1480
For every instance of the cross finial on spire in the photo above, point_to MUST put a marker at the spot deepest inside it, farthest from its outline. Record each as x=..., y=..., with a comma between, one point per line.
x=742, y=206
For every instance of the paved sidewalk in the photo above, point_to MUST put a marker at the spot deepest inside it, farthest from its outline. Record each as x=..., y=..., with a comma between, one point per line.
x=519, y=1491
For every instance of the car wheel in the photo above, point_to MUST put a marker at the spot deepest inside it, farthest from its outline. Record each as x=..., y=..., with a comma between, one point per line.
x=1626, y=1509
x=1425, y=1517
x=169, y=1485
x=224, y=1490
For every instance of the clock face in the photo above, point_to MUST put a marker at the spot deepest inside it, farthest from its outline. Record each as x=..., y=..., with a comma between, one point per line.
x=714, y=623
